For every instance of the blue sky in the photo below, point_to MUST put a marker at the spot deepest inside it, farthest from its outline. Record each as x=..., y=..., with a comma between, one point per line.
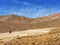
x=29, y=8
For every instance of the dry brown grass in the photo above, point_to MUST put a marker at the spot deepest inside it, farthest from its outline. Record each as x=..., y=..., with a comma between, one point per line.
x=52, y=38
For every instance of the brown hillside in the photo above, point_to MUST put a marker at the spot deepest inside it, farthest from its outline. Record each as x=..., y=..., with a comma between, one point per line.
x=17, y=23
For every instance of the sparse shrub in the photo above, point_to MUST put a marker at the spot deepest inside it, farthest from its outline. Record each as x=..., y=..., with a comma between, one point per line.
x=18, y=37
x=10, y=31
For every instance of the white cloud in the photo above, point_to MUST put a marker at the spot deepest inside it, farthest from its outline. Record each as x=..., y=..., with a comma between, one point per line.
x=30, y=10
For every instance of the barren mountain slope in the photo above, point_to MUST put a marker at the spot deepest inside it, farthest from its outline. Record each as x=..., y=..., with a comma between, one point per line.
x=17, y=23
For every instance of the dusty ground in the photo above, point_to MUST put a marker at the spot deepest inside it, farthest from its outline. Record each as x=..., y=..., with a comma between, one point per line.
x=9, y=36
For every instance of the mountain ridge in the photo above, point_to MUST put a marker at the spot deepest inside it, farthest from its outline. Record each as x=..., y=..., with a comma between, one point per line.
x=19, y=23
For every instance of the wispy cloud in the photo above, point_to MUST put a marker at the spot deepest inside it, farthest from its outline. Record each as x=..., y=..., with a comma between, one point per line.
x=29, y=9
